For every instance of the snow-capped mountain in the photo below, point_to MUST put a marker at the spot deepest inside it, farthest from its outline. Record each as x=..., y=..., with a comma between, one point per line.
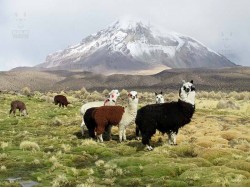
x=126, y=46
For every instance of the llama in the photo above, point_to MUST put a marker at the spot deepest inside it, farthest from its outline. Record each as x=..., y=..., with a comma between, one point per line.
x=105, y=116
x=20, y=106
x=166, y=117
x=61, y=100
x=110, y=101
x=159, y=98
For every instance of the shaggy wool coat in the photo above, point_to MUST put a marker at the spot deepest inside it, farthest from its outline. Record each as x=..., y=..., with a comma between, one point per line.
x=61, y=100
x=107, y=115
x=166, y=117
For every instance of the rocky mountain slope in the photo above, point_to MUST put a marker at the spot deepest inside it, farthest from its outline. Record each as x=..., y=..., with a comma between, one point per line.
x=126, y=46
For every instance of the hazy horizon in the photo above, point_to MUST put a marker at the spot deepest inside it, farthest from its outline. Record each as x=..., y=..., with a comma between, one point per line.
x=30, y=30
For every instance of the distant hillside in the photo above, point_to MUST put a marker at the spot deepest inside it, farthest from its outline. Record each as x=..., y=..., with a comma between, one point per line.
x=228, y=79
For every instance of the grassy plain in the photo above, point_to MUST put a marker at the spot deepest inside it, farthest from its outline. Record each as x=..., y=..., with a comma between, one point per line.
x=47, y=147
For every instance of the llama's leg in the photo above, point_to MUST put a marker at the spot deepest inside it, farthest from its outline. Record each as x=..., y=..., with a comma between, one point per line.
x=124, y=134
x=99, y=130
x=60, y=105
x=108, y=131
x=145, y=141
x=82, y=127
x=92, y=133
x=10, y=112
x=14, y=112
x=172, y=138
x=121, y=130
x=169, y=138
x=137, y=132
x=99, y=138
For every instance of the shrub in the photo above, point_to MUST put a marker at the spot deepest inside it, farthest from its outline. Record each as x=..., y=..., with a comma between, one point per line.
x=171, y=95
x=95, y=96
x=123, y=93
x=66, y=148
x=232, y=94
x=105, y=92
x=57, y=122
x=26, y=91
x=60, y=181
x=99, y=163
x=3, y=168
x=203, y=94
x=37, y=93
x=83, y=91
x=4, y=145
x=36, y=162
x=248, y=110
x=109, y=173
x=27, y=145
x=211, y=95
x=229, y=135
x=222, y=104
x=3, y=156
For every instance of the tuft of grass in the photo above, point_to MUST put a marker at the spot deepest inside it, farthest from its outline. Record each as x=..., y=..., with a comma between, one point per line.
x=109, y=173
x=222, y=104
x=60, y=181
x=99, y=163
x=184, y=150
x=66, y=148
x=3, y=168
x=4, y=145
x=230, y=135
x=57, y=122
x=28, y=145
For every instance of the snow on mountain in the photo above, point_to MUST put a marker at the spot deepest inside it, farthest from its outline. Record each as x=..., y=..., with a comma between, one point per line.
x=132, y=45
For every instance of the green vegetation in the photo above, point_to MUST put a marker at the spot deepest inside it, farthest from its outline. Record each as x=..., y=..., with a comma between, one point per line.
x=46, y=146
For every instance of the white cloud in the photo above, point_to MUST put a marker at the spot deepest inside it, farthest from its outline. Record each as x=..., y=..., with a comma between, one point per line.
x=53, y=25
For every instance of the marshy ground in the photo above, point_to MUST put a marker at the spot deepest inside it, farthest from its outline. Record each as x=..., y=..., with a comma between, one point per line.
x=47, y=147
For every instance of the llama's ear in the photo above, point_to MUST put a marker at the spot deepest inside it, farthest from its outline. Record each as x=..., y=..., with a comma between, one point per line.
x=161, y=93
x=156, y=94
x=183, y=81
x=191, y=81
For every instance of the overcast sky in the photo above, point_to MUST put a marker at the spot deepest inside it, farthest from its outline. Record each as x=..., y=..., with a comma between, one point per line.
x=30, y=30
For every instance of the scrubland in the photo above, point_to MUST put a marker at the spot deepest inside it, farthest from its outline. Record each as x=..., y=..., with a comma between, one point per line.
x=47, y=146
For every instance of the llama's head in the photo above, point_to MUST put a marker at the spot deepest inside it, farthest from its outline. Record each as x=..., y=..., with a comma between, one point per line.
x=114, y=94
x=132, y=97
x=25, y=112
x=187, y=92
x=159, y=98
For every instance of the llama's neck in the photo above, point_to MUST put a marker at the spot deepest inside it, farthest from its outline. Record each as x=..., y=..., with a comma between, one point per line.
x=188, y=98
x=132, y=107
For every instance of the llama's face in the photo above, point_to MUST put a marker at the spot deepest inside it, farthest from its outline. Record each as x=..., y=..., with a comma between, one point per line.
x=132, y=97
x=24, y=112
x=114, y=94
x=187, y=92
x=159, y=98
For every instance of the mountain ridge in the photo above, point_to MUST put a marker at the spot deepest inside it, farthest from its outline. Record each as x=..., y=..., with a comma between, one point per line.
x=134, y=46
